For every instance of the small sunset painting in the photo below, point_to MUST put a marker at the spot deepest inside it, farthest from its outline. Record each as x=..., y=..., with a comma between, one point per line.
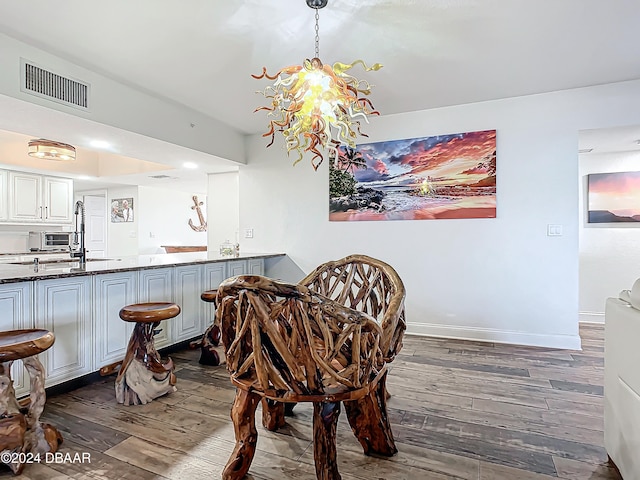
x=445, y=176
x=614, y=197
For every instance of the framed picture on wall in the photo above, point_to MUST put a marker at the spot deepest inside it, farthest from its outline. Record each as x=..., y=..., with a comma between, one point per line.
x=439, y=177
x=121, y=210
x=613, y=197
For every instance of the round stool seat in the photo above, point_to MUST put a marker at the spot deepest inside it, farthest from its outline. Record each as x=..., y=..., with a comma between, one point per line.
x=149, y=312
x=209, y=296
x=17, y=344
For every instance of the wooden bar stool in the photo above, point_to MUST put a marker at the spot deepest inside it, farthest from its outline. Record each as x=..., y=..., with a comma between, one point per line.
x=143, y=375
x=210, y=350
x=20, y=428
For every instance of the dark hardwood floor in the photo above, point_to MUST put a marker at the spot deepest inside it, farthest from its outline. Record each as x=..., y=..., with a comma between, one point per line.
x=459, y=410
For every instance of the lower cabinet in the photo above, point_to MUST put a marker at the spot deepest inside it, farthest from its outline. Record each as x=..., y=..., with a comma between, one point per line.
x=156, y=285
x=112, y=292
x=214, y=274
x=236, y=267
x=187, y=288
x=15, y=305
x=63, y=306
x=255, y=266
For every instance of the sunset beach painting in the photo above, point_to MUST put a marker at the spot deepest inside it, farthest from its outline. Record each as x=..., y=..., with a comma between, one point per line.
x=444, y=176
x=614, y=197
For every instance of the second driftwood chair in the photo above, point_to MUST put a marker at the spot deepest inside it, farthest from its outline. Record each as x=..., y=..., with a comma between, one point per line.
x=287, y=343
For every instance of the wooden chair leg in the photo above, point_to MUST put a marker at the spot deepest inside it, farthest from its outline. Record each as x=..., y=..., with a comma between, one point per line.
x=272, y=414
x=325, y=420
x=370, y=423
x=243, y=416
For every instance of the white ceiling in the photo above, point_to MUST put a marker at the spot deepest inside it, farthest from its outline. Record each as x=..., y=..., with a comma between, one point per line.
x=200, y=53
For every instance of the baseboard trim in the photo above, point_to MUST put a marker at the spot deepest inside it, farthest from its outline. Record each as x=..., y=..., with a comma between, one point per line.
x=591, y=317
x=569, y=342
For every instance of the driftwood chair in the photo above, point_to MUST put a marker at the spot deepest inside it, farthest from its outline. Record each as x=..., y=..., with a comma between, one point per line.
x=287, y=343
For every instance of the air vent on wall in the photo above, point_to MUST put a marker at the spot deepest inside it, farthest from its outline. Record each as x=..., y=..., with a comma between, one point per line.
x=43, y=83
x=159, y=176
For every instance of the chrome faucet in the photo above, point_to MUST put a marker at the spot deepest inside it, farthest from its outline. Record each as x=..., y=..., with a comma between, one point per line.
x=76, y=248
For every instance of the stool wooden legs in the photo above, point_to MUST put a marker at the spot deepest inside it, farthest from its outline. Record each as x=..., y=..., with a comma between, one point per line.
x=143, y=375
x=325, y=420
x=13, y=426
x=243, y=416
x=44, y=437
x=22, y=431
x=370, y=423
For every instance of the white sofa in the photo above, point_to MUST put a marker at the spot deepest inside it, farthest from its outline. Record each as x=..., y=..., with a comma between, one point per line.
x=622, y=381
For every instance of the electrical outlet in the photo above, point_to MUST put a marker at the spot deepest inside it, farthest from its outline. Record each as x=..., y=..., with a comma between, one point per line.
x=248, y=233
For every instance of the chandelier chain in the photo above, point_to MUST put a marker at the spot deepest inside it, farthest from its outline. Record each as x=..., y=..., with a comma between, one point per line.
x=317, y=35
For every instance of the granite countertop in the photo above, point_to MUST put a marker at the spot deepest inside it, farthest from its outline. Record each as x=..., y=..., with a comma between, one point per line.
x=22, y=273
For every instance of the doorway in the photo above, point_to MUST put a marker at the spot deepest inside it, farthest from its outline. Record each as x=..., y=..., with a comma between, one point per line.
x=95, y=207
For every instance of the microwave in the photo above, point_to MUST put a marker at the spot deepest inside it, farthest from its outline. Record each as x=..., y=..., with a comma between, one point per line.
x=41, y=241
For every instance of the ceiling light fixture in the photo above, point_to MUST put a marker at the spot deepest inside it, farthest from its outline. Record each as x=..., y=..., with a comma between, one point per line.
x=99, y=144
x=50, y=150
x=315, y=105
x=190, y=165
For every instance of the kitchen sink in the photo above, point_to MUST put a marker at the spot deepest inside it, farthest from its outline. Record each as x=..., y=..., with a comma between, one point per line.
x=63, y=261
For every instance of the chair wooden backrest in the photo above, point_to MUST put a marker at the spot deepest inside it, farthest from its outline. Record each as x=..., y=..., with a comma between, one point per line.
x=292, y=344
x=368, y=285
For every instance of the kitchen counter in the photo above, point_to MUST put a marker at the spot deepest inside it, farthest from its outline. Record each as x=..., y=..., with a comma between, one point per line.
x=80, y=305
x=21, y=273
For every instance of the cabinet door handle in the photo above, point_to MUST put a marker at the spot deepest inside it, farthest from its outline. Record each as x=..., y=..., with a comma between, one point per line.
x=40, y=212
x=46, y=212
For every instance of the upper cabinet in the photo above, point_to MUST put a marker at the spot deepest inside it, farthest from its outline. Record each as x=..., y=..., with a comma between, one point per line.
x=39, y=199
x=3, y=196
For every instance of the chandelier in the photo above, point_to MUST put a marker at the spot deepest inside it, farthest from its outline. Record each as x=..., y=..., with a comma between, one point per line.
x=317, y=106
x=50, y=150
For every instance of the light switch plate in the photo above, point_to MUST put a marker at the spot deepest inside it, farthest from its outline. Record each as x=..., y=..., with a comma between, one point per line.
x=554, y=230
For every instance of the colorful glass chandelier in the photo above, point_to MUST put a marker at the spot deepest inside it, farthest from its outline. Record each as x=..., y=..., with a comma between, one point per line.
x=317, y=107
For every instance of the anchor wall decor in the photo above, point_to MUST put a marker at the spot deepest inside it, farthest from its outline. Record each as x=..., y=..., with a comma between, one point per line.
x=203, y=224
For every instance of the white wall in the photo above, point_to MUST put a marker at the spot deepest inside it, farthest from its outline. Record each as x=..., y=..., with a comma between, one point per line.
x=122, y=237
x=609, y=255
x=223, y=218
x=163, y=219
x=499, y=279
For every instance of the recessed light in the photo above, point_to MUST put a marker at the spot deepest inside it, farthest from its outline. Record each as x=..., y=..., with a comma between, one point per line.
x=190, y=165
x=84, y=177
x=99, y=144
x=585, y=150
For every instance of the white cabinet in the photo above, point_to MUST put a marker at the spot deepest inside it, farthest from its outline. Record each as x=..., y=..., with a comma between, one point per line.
x=237, y=267
x=256, y=266
x=38, y=199
x=252, y=266
x=112, y=291
x=58, y=199
x=155, y=285
x=4, y=214
x=188, y=287
x=15, y=305
x=63, y=306
x=214, y=274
